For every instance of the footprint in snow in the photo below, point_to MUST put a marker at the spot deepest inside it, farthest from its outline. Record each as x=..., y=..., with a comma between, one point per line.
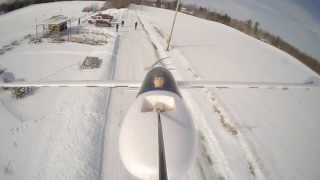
x=15, y=144
x=9, y=168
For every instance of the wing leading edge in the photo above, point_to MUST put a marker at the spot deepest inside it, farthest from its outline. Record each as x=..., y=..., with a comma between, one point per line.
x=137, y=84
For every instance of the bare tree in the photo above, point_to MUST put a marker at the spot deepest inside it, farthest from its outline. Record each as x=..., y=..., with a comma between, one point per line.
x=120, y=3
x=158, y=3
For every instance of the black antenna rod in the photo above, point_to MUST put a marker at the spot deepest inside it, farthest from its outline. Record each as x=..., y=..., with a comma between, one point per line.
x=162, y=157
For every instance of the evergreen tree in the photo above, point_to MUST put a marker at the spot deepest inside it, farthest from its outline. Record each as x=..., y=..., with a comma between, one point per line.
x=226, y=19
x=120, y=3
x=276, y=41
x=249, y=24
x=256, y=28
x=158, y=3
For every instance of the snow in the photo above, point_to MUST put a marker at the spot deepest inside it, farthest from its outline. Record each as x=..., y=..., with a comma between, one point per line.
x=270, y=150
x=73, y=132
x=218, y=48
x=16, y=24
x=284, y=137
x=56, y=133
x=295, y=21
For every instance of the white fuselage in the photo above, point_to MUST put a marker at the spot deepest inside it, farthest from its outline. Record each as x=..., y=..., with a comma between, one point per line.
x=138, y=141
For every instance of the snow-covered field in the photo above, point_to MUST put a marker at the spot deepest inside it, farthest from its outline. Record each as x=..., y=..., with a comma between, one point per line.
x=72, y=133
x=56, y=133
x=16, y=24
x=276, y=130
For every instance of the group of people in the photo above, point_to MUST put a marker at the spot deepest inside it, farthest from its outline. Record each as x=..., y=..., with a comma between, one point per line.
x=122, y=24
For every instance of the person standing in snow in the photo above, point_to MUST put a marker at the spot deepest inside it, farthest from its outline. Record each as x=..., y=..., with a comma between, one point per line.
x=135, y=25
x=117, y=27
x=122, y=23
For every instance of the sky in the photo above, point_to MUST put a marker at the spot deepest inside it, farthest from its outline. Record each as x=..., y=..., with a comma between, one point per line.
x=1, y=1
x=297, y=21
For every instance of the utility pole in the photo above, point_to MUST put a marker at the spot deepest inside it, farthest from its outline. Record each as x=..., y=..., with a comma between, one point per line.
x=36, y=31
x=36, y=28
x=69, y=29
x=162, y=154
x=173, y=23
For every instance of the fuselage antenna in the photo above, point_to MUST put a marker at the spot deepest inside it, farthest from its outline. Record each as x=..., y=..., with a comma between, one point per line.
x=162, y=155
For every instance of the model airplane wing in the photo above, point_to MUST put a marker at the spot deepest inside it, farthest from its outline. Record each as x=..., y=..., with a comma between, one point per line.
x=234, y=84
x=74, y=83
x=137, y=84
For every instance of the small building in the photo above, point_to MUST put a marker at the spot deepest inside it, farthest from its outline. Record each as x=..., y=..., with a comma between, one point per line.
x=103, y=23
x=101, y=19
x=105, y=16
x=186, y=10
x=56, y=24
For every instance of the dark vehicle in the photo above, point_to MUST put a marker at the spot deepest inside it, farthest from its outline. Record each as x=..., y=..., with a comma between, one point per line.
x=105, y=16
x=103, y=23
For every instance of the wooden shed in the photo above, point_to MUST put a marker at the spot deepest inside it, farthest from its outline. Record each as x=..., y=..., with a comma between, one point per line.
x=57, y=23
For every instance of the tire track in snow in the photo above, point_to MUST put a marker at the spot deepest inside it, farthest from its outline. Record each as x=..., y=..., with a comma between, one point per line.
x=219, y=172
x=110, y=76
x=130, y=63
x=255, y=166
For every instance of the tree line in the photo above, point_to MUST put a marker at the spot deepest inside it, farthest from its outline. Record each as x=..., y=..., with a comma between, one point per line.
x=253, y=28
x=13, y=5
x=250, y=27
